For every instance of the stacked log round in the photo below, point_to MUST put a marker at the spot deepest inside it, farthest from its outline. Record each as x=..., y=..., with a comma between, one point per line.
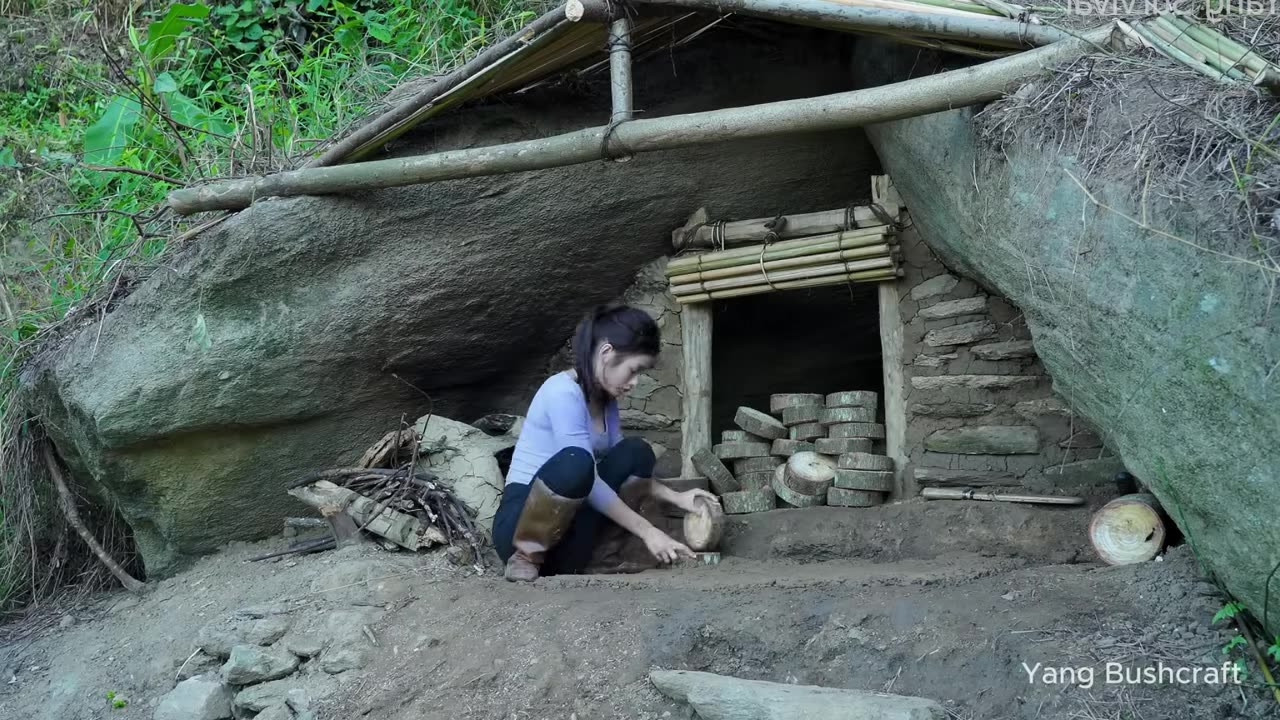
x=808, y=431
x=756, y=464
x=840, y=415
x=790, y=496
x=754, y=480
x=781, y=401
x=717, y=474
x=787, y=448
x=852, y=398
x=748, y=501
x=739, y=450
x=864, y=461
x=841, y=446
x=801, y=414
x=759, y=424
x=840, y=497
x=856, y=430
x=809, y=473
x=729, y=436
x=866, y=480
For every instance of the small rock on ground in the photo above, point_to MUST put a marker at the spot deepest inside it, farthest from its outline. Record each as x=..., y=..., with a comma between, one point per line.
x=248, y=665
x=343, y=658
x=279, y=711
x=304, y=645
x=257, y=698
x=199, y=698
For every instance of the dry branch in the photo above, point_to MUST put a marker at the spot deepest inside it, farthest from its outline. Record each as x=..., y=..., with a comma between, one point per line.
x=68, y=502
x=910, y=98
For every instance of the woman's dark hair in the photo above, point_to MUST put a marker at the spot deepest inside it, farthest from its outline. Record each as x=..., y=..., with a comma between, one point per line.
x=629, y=330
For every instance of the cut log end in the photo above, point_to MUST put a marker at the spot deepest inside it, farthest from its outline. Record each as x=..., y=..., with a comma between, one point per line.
x=1128, y=530
x=704, y=527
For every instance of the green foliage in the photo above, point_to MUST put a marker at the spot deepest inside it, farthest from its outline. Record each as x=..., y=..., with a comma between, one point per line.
x=1236, y=641
x=1274, y=649
x=1230, y=610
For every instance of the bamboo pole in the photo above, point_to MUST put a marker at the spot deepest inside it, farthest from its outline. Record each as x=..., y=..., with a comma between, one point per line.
x=931, y=493
x=620, y=69
x=845, y=240
x=1235, y=51
x=594, y=11
x=1156, y=37
x=757, y=230
x=1223, y=67
x=756, y=278
x=885, y=15
x=863, y=276
x=909, y=98
x=376, y=132
x=881, y=250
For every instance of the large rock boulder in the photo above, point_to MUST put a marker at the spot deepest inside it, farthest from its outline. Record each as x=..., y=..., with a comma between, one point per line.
x=1170, y=350
x=292, y=336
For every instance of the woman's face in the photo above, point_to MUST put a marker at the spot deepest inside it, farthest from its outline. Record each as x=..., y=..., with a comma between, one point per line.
x=617, y=372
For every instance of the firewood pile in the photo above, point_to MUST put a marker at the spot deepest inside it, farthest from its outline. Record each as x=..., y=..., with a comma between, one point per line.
x=808, y=450
x=390, y=496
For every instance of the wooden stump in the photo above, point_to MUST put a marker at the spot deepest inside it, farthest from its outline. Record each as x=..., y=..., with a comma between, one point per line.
x=833, y=416
x=856, y=430
x=808, y=431
x=782, y=401
x=865, y=461
x=1128, y=530
x=756, y=464
x=717, y=474
x=801, y=414
x=870, y=480
x=704, y=527
x=787, y=448
x=758, y=423
x=810, y=473
x=841, y=497
x=841, y=446
x=853, y=398
x=739, y=450
x=792, y=497
x=748, y=501
x=754, y=480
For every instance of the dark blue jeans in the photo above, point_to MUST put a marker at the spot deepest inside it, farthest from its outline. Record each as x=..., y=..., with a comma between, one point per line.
x=570, y=473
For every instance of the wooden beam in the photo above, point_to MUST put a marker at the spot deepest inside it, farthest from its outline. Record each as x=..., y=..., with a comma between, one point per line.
x=892, y=354
x=910, y=98
x=695, y=426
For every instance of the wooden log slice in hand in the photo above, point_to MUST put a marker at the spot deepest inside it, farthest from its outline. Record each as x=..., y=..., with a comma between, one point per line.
x=717, y=474
x=704, y=526
x=758, y=423
x=782, y=401
x=810, y=473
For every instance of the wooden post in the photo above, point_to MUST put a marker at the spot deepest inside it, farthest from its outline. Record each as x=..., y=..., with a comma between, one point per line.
x=620, y=69
x=892, y=357
x=695, y=428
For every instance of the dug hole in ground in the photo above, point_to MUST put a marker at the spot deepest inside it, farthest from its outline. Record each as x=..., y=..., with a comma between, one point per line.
x=945, y=600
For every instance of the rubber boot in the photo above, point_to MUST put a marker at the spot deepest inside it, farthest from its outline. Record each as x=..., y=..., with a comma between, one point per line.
x=543, y=521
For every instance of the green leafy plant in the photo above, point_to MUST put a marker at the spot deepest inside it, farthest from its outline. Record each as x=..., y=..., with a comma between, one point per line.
x=1229, y=610
x=1236, y=641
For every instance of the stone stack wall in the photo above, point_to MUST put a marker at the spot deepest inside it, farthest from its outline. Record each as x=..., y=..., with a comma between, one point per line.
x=980, y=409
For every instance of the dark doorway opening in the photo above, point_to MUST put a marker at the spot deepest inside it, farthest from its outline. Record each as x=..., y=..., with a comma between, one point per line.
x=820, y=340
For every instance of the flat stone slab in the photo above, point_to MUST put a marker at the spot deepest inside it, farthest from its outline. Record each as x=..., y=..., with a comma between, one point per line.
x=986, y=440
x=951, y=409
x=1012, y=350
x=944, y=477
x=964, y=334
x=954, y=308
x=719, y=697
x=934, y=286
x=973, y=382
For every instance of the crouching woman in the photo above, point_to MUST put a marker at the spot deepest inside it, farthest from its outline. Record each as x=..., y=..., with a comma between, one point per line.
x=571, y=461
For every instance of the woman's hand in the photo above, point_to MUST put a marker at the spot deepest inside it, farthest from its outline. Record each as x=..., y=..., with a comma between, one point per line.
x=688, y=500
x=664, y=548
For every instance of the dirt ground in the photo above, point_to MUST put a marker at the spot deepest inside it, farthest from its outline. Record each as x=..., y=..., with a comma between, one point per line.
x=938, y=605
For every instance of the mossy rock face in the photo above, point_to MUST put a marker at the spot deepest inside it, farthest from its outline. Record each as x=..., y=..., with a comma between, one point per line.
x=1168, y=350
x=291, y=337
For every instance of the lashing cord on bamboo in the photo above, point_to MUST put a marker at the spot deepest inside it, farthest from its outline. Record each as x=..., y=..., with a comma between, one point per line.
x=775, y=226
x=614, y=43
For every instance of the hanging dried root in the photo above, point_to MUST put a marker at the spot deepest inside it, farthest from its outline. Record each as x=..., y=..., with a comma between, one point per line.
x=130, y=583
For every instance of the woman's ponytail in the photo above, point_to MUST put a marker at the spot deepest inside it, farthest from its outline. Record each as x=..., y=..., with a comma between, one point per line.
x=629, y=330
